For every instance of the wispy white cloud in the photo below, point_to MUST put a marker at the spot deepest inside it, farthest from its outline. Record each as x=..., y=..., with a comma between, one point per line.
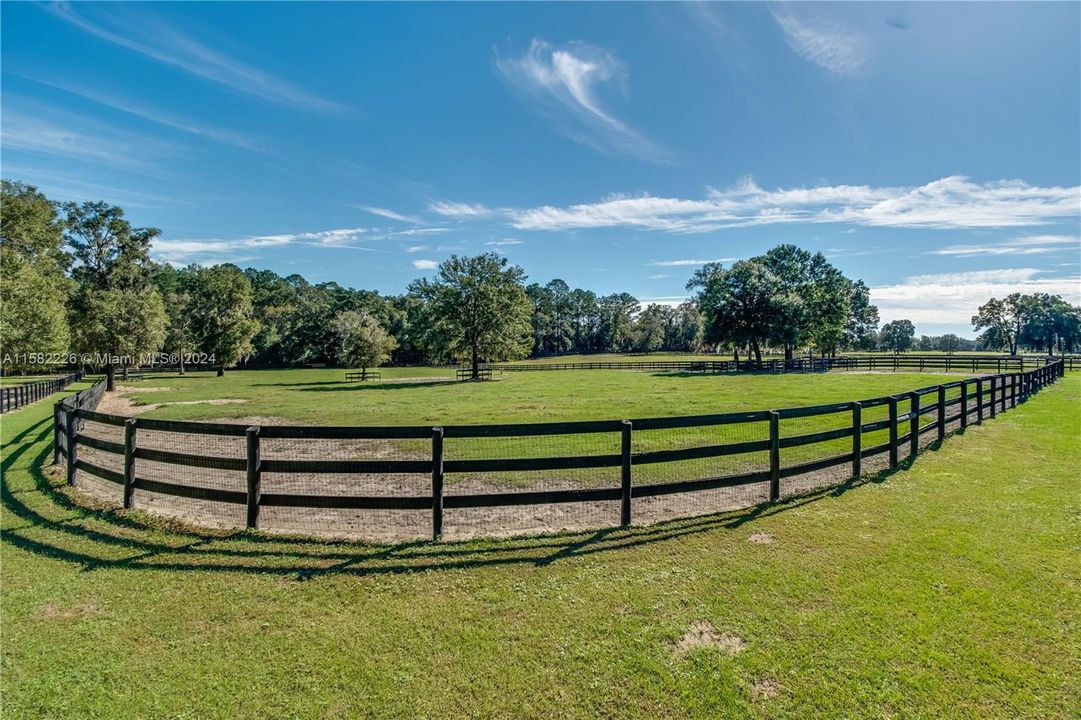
x=390, y=214
x=826, y=44
x=460, y=210
x=220, y=250
x=425, y=264
x=169, y=45
x=508, y=241
x=71, y=137
x=1030, y=245
x=657, y=277
x=161, y=117
x=416, y=248
x=949, y=203
x=669, y=300
x=953, y=298
x=688, y=263
x=568, y=84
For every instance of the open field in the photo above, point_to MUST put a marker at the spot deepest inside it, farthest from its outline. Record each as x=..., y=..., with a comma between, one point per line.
x=947, y=590
x=421, y=396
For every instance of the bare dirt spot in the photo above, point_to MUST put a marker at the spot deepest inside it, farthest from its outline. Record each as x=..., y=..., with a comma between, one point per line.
x=53, y=611
x=138, y=388
x=702, y=634
x=764, y=688
x=762, y=539
x=117, y=403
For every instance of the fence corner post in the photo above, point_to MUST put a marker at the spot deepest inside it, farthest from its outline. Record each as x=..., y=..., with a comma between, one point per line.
x=626, y=427
x=941, y=412
x=964, y=403
x=979, y=400
x=69, y=439
x=58, y=413
x=129, y=462
x=251, y=437
x=437, y=483
x=857, y=440
x=893, y=432
x=994, y=398
x=914, y=424
x=774, y=455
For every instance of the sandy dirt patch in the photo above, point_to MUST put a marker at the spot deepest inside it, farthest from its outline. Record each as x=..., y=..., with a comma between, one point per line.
x=702, y=634
x=762, y=539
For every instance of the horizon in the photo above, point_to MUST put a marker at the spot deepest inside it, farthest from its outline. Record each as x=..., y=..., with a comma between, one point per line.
x=940, y=165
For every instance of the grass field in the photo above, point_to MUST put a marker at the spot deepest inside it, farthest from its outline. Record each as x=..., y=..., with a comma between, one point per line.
x=951, y=589
x=417, y=396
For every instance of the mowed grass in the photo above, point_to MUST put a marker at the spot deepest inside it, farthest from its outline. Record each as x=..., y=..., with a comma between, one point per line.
x=948, y=590
x=417, y=396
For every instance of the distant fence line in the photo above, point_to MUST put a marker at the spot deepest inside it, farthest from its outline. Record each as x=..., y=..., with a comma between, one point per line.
x=293, y=459
x=946, y=363
x=14, y=397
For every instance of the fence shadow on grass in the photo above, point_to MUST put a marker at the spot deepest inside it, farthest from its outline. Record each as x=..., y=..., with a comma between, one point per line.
x=53, y=522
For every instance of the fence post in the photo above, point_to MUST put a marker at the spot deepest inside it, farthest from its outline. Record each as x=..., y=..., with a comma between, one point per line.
x=1013, y=389
x=979, y=400
x=857, y=440
x=73, y=451
x=893, y=432
x=129, y=463
x=625, y=472
x=914, y=424
x=994, y=399
x=251, y=436
x=57, y=414
x=964, y=404
x=437, y=483
x=941, y=412
x=774, y=455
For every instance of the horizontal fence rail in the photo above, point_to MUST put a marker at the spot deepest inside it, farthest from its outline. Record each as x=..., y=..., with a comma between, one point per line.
x=16, y=396
x=947, y=363
x=622, y=463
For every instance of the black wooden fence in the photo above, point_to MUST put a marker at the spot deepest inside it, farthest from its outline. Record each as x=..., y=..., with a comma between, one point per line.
x=902, y=426
x=906, y=362
x=16, y=396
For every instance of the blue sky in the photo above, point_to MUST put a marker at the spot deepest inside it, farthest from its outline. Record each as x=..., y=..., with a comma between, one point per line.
x=933, y=150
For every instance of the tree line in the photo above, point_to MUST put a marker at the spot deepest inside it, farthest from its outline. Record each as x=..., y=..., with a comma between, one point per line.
x=78, y=278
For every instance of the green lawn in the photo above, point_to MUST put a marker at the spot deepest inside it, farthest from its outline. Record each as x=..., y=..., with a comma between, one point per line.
x=416, y=396
x=952, y=589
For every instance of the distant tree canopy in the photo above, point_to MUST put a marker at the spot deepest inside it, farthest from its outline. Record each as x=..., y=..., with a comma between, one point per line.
x=34, y=287
x=898, y=335
x=477, y=308
x=1039, y=321
x=77, y=277
x=788, y=298
x=364, y=342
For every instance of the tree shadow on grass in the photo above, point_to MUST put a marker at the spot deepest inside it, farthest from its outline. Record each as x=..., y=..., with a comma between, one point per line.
x=59, y=524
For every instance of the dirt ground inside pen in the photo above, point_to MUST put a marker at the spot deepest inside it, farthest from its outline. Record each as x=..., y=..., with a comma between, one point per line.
x=395, y=525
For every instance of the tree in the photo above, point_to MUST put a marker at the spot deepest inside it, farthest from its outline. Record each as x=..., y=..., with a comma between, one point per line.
x=861, y=325
x=1001, y=322
x=897, y=335
x=738, y=305
x=221, y=314
x=651, y=327
x=477, y=307
x=364, y=342
x=125, y=324
x=114, y=285
x=33, y=286
x=616, y=314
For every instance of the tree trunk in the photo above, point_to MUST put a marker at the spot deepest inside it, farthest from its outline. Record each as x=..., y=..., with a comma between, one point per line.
x=363, y=374
x=181, y=363
x=787, y=352
x=475, y=368
x=110, y=377
x=124, y=372
x=757, y=352
x=221, y=370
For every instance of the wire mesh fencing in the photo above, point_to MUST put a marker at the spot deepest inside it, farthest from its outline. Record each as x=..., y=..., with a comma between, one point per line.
x=395, y=484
